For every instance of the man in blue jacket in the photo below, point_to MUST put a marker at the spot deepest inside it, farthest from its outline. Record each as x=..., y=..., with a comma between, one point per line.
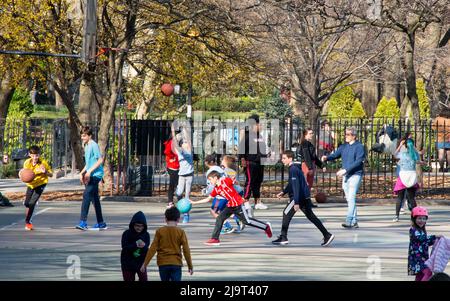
x=353, y=155
x=299, y=198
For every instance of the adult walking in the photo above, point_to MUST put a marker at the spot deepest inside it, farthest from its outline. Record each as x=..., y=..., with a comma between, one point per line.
x=353, y=155
x=407, y=180
x=251, y=149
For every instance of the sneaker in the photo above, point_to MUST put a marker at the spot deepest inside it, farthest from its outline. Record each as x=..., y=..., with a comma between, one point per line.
x=6, y=204
x=281, y=240
x=260, y=206
x=402, y=210
x=185, y=219
x=82, y=225
x=395, y=219
x=28, y=226
x=327, y=240
x=212, y=242
x=240, y=225
x=100, y=226
x=348, y=226
x=227, y=230
x=268, y=230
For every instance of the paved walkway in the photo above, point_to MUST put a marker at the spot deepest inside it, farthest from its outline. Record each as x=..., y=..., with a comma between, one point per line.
x=375, y=251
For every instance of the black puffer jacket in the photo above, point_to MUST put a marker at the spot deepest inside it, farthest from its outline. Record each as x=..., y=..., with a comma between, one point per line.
x=130, y=259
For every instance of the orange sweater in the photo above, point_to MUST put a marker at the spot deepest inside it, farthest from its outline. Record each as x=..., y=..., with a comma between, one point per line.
x=167, y=243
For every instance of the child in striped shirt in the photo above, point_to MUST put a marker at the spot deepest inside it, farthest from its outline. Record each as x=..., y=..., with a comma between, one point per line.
x=224, y=187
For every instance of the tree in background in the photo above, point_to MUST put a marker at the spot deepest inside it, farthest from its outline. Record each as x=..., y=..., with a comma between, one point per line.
x=344, y=104
x=387, y=108
x=275, y=106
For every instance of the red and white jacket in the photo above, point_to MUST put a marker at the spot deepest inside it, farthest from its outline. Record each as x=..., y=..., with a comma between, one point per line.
x=226, y=190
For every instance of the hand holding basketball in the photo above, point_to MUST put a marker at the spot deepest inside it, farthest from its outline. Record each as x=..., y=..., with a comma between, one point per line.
x=26, y=175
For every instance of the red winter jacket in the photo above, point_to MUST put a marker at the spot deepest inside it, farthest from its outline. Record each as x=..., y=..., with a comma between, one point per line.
x=170, y=156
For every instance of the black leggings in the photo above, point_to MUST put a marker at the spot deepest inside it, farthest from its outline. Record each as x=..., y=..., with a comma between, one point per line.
x=289, y=212
x=410, y=197
x=241, y=213
x=254, y=176
x=31, y=199
x=173, y=182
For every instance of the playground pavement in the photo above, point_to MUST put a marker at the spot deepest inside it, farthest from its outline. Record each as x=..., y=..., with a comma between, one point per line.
x=376, y=251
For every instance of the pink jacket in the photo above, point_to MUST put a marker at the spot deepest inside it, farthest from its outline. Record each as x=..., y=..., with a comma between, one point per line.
x=440, y=255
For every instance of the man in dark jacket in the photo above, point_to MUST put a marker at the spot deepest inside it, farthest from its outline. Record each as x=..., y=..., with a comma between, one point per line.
x=135, y=243
x=299, y=198
x=353, y=155
x=252, y=148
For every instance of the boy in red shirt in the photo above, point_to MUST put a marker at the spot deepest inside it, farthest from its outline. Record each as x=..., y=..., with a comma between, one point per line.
x=224, y=187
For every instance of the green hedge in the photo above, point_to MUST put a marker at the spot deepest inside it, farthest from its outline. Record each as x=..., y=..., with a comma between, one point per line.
x=217, y=104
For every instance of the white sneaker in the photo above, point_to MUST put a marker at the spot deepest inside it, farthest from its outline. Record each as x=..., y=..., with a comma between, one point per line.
x=260, y=206
x=402, y=210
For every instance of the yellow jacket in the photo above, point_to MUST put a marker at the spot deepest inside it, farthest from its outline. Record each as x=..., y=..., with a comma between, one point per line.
x=40, y=178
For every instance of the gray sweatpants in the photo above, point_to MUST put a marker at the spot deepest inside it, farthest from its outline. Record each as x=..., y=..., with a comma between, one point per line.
x=184, y=184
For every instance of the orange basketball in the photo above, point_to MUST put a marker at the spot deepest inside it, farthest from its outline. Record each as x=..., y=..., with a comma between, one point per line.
x=26, y=175
x=167, y=89
x=320, y=197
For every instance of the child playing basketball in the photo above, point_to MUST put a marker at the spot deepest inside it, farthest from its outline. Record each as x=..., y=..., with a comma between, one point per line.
x=223, y=186
x=229, y=167
x=219, y=203
x=183, y=149
x=35, y=188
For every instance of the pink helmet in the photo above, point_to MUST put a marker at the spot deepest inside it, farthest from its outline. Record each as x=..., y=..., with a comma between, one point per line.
x=419, y=211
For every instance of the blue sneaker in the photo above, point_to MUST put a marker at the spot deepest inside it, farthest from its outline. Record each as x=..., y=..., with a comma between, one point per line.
x=82, y=226
x=185, y=218
x=100, y=226
x=226, y=230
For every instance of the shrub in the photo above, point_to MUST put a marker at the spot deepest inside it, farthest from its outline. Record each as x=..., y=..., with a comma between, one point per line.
x=387, y=108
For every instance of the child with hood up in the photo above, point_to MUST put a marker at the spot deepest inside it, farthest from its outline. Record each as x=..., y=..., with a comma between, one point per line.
x=135, y=243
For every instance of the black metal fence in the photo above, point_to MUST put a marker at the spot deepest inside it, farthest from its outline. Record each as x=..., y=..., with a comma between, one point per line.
x=52, y=136
x=137, y=162
x=148, y=162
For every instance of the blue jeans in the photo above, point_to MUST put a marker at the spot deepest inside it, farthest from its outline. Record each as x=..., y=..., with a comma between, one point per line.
x=170, y=272
x=91, y=195
x=351, y=186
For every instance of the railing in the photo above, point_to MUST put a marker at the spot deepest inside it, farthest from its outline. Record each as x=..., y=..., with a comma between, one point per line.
x=380, y=169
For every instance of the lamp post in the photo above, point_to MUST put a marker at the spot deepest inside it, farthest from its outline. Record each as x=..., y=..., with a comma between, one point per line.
x=194, y=33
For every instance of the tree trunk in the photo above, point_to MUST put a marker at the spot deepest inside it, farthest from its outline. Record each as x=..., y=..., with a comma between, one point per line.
x=411, y=93
x=88, y=107
x=6, y=94
x=313, y=117
x=144, y=107
x=369, y=97
x=435, y=75
x=75, y=143
x=74, y=122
